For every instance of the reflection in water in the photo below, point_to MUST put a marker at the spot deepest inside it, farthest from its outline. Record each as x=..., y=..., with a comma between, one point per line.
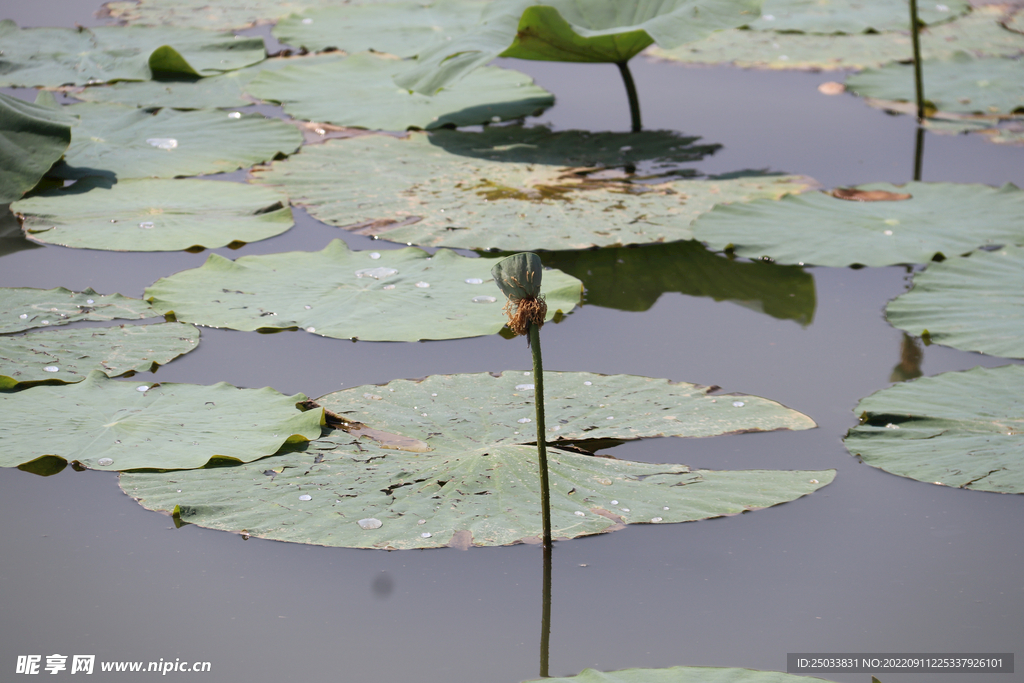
x=918, y=152
x=545, y=619
x=909, y=366
x=383, y=585
x=633, y=278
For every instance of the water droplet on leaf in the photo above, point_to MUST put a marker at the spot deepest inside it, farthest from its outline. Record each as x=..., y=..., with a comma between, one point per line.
x=105, y=462
x=422, y=285
x=370, y=523
x=738, y=404
x=524, y=387
x=484, y=299
x=163, y=143
x=305, y=497
x=474, y=281
x=51, y=368
x=378, y=273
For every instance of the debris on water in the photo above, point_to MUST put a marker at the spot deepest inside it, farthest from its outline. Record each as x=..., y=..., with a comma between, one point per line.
x=51, y=368
x=378, y=273
x=375, y=255
x=305, y=496
x=105, y=462
x=422, y=285
x=163, y=143
x=474, y=281
x=524, y=420
x=484, y=299
x=370, y=523
x=738, y=404
x=524, y=387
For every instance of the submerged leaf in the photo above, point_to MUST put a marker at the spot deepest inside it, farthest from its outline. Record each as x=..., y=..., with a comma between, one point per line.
x=32, y=139
x=478, y=484
x=945, y=219
x=70, y=355
x=392, y=295
x=960, y=429
x=23, y=308
x=107, y=424
x=153, y=215
x=972, y=304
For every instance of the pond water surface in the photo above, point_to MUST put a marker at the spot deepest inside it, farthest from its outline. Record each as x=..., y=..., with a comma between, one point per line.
x=871, y=563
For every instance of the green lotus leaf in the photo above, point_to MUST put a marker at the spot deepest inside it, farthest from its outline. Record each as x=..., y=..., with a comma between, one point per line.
x=62, y=56
x=852, y=16
x=153, y=215
x=223, y=90
x=1015, y=22
x=960, y=429
x=816, y=228
x=106, y=424
x=978, y=33
x=125, y=142
x=12, y=239
x=683, y=674
x=69, y=355
x=393, y=295
x=399, y=28
x=23, y=308
x=447, y=450
x=359, y=91
x=32, y=138
x=568, y=31
x=960, y=84
x=1002, y=131
x=633, y=279
x=379, y=185
x=205, y=14
x=973, y=304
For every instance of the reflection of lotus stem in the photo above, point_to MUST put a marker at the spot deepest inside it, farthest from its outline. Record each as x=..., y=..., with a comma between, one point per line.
x=545, y=616
x=916, y=39
x=542, y=453
x=634, y=102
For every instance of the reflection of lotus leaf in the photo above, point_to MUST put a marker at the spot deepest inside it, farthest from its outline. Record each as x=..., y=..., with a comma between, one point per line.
x=960, y=429
x=978, y=33
x=119, y=425
x=32, y=138
x=69, y=355
x=817, y=229
x=359, y=91
x=632, y=279
x=374, y=183
x=153, y=215
x=392, y=295
x=472, y=481
x=23, y=308
x=399, y=28
x=62, y=56
x=973, y=304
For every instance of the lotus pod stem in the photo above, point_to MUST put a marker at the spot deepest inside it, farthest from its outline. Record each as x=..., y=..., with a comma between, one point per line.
x=915, y=28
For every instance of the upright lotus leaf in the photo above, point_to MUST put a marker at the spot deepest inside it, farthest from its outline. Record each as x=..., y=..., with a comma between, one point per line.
x=972, y=304
x=961, y=84
x=568, y=31
x=413, y=192
x=398, y=28
x=960, y=429
x=32, y=139
x=394, y=295
x=684, y=674
x=203, y=13
x=816, y=228
x=125, y=142
x=154, y=215
x=978, y=33
x=852, y=16
x=106, y=424
x=59, y=56
x=445, y=464
x=633, y=279
x=23, y=308
x=359, y=91
x=70, y=355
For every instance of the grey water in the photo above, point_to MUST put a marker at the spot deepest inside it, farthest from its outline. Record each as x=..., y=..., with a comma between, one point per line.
x=870, y=563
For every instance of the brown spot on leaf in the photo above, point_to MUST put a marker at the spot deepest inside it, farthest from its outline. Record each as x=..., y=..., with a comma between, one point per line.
x=855, y=195
x=461, y=540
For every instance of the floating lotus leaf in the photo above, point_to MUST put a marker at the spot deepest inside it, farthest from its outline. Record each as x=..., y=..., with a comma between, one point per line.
x=23, y=308
x=852, y=16
x=69, y=355
x=224, y=90
x=452, y=456
x=568, y=31
x=154, y=215
x=62, y=56
x=1015, y=22
x=1000, y=131
x=106, y=424
x=960, y=84
x=633, y=279
x=815, y=228
x=125, y=142
x=683, y=674
x=972, y=304
x=378, y=184
x=32, y=138
x=399, y=28
x=359, y=91
x=960, y=429
x=236, y=14
x=393, y=295
x=978, y=33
